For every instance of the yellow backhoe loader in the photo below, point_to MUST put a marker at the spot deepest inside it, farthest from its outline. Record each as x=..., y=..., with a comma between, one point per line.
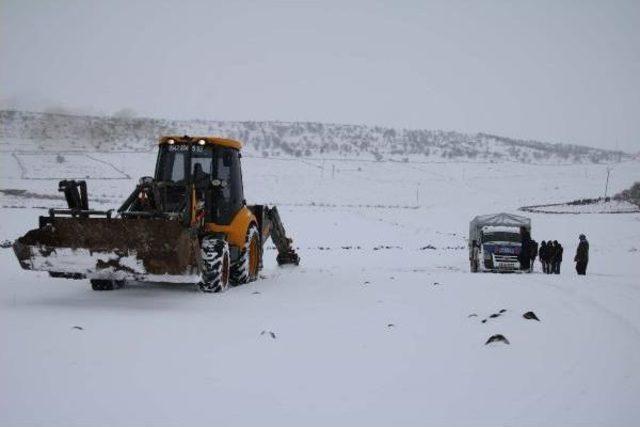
x=188, y=223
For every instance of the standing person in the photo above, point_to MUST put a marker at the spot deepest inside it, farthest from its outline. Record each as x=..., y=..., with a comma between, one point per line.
x=582, y=256
x=475, y=256
x=542, y=254
x=533, y=253
x=551, y=256
x=525, y=248
x=558, y=260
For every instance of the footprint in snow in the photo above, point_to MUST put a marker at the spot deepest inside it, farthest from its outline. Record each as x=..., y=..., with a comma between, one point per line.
x=271, y=334
x=494, y=315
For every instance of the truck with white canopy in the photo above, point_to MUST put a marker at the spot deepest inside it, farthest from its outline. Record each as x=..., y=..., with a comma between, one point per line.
x=495, y=242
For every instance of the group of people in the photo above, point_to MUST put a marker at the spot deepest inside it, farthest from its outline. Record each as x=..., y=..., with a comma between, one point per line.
x=550, y=254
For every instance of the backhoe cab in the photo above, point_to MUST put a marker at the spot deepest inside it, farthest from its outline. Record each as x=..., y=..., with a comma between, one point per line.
x=188, y=223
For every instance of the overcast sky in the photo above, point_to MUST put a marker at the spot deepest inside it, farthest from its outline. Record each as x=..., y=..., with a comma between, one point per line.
x=560, y=71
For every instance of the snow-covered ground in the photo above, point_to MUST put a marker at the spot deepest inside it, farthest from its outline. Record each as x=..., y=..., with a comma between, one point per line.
x=380, y=325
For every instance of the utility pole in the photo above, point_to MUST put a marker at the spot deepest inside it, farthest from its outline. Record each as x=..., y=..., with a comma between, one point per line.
x=606, y=186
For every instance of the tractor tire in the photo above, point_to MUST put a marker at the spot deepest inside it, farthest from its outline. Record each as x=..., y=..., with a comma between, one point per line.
x=215, y=265
x=246, y=268
x=106, y=285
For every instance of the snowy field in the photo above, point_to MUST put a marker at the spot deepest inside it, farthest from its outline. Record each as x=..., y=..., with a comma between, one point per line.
x=380, y=325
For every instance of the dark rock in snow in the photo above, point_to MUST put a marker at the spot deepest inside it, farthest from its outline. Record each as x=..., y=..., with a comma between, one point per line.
x=504, y=310
x=497, y=338
x=255, y=293
x=530, y=315
x=484, y=320
x=80, y=328
x=494, y=315
x=390, y=325
x=5, y=244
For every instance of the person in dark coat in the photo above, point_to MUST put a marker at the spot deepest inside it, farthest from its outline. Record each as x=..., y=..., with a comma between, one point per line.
x=582, y=256
x=552, y=248
x=558, y=257
x=542, y=254
x=551, y=256
x=533, y=253
x=525, y=248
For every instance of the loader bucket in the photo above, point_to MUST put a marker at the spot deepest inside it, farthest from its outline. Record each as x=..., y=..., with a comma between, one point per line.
x=119, y=249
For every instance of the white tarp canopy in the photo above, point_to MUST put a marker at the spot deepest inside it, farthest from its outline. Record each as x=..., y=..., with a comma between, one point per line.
x=500, y=219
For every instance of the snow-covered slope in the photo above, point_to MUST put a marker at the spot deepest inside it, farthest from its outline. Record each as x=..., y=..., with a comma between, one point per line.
x=380, y=325
x=57, y=132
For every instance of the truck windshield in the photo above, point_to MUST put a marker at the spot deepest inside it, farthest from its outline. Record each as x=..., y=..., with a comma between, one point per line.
x=501, y=236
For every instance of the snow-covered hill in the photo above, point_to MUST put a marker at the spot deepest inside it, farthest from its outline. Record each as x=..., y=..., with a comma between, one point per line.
x=59, y=132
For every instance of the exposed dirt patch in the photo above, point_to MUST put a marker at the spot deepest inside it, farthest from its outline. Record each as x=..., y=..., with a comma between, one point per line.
x=24, y=194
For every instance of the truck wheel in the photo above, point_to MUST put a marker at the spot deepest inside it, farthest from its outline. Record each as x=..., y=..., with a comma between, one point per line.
x=246, y=269
x=215, y=265
x=106, y=285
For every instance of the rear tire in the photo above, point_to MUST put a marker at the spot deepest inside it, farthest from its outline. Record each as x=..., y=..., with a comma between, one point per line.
x=106, y=285
x=246, y=269
x=215, y=265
